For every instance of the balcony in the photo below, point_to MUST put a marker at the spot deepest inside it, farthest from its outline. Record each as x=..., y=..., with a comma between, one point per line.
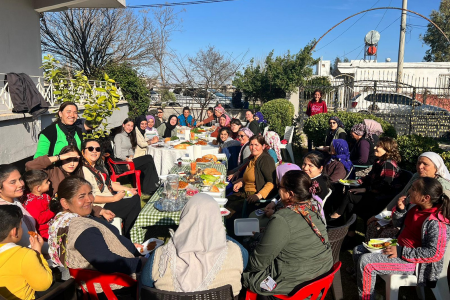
x=47, y=90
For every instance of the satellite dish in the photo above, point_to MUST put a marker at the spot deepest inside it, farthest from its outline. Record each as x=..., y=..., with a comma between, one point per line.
x=372, y=37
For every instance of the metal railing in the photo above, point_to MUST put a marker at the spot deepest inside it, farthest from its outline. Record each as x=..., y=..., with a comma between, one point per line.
x=47, y=90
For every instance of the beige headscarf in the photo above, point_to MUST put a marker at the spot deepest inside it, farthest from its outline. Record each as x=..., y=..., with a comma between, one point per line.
x=198, y=248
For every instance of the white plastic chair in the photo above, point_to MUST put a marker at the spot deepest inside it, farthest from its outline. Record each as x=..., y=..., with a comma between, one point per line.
x=288, y=134
x=441, y=291
x=117, y=222
x=326, y=197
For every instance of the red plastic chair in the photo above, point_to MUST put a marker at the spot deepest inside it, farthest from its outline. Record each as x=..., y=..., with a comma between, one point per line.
x=313, y=289
x=89, y=277
x=114, y=176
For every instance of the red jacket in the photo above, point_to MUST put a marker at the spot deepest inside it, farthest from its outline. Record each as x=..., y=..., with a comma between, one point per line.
x=315, y=108
x=38, y=207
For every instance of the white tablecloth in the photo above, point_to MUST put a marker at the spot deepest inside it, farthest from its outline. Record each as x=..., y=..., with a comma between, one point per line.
x=165, y=158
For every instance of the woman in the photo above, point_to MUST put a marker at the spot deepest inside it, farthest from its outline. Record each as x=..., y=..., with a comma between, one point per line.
x=11, y=189
x=141, y=141
x=219, y=111
x=151, y=133
x=316, y=105
x=373, y=130
x=339, y=164
x=58, y=167
x=186, y=118
x=198, y=256
x=78, y=241
x=110, y=195
x=363, y=151
x=235, y=126
x=244, y=136
x=378, y=187
x=336, y=131
x=252, y=124
x=159, y=117
x=258, y=181
x=169, y=128
x=429, y=164
x=274, y=143
x=224, y=122
x=124, y=145
x=224, y=140
x=63, y=132
x=313, y=165
x=295, y=246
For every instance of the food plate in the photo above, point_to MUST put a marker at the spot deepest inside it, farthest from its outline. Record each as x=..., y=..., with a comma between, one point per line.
x=221, y=201
x=224, y=212
x=128, y=194
x=213, y=194
x=350, y=182
x=246, y=227
x=393, y=242
x=384, y=218
x=151, y=244
x=182, y=183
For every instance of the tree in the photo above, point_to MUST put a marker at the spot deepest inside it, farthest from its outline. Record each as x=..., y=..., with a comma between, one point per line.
x=277, y=76
x=334, y=69
x=133, y=88
x=439, y=47
x=165, y=23
x=89, y=39
x=208, y=69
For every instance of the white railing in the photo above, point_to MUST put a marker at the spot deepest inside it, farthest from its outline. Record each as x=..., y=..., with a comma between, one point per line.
x=47, y=90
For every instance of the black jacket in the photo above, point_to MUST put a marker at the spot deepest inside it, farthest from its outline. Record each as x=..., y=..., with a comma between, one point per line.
x=25, y=96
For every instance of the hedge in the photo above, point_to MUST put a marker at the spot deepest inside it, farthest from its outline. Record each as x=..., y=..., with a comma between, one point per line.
x=316, y=126
x=279, y=113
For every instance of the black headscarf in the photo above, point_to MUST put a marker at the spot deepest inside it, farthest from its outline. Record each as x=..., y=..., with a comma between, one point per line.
x=137, y=124
x=169, y=127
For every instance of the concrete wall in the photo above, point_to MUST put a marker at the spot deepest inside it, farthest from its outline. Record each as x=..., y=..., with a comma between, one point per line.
x=20, y=43
x=19, y=133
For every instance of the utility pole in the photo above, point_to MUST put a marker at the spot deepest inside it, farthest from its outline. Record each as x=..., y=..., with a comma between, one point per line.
x=401, y=46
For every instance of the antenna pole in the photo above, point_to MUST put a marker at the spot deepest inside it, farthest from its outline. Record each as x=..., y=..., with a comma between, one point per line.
x=401, y=45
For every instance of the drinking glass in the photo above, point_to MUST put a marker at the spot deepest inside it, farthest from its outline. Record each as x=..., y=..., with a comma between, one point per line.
x=171, y=186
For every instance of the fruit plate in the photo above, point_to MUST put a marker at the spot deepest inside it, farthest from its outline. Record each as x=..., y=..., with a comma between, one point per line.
x=380, y=240
x=144, y=250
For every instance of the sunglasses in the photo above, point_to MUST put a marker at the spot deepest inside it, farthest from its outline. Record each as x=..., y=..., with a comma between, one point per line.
x=91, y=149
x=241, y=135
x=332, y=123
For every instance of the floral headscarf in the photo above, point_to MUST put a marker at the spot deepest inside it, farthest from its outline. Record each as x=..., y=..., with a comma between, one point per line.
x=57, y=238
x=359, y=129
x=248, y=133
x=342, y=153
x=273, y=139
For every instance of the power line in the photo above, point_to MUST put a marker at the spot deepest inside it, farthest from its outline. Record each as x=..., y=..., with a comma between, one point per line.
x=178, y=3
x=348, y=27
x=383, y=16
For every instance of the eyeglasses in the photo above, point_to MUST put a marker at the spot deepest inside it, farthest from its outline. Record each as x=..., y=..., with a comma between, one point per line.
x=91, y=149
x=241, y=135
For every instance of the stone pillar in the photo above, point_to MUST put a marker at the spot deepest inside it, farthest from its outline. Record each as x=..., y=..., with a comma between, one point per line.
x=294, y=98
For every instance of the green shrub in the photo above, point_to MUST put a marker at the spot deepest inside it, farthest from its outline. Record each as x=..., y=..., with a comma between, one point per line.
x=446, y=157
x=279, y=113
x=411, y=146
x=316, y=126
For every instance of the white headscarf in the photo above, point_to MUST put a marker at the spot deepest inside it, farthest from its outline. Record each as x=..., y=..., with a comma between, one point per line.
x=198, y=248
x=438, y=163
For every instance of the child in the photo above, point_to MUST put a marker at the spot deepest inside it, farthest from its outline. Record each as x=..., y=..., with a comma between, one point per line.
x=22, y=272
x=37, y=201
x=422, y=240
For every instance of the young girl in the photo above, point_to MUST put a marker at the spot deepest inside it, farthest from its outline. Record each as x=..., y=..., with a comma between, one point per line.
x=422, y=240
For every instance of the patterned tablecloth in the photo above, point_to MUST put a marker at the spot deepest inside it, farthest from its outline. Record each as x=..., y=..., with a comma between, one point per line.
x=164, y=158
x=150, y=216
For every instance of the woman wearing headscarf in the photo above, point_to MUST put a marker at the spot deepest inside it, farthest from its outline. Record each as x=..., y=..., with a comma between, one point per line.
x=363, y=151
x=429, y=164
x=373, y=130
x=339, y=165
x=142, y=141
x=199, y=256
x=169, y=128
x=151, y=133
x=273, y=140
x=336, y=131
x=224, y=122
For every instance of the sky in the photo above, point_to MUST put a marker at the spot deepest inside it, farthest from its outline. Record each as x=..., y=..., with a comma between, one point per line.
x=256, y=27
